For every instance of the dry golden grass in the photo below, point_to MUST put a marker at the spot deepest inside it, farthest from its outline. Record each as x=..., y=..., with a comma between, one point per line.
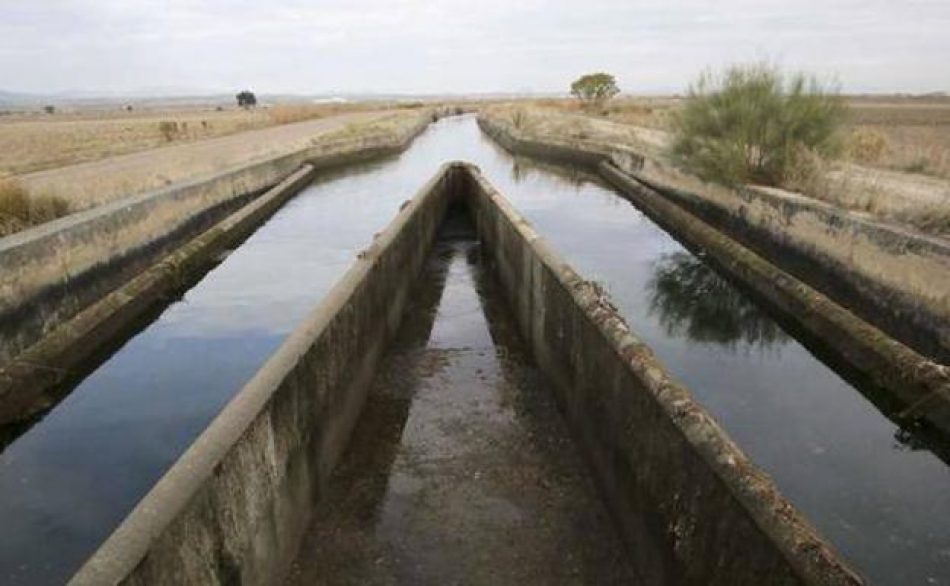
x=643, y=112
x=913, y=135
x=97, y=182
x=300, y=111
x=19, y=209
x=31, y=142
x=389, y=124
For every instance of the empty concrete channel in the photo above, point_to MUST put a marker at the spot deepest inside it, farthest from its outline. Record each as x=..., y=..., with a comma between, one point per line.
x=460, y=388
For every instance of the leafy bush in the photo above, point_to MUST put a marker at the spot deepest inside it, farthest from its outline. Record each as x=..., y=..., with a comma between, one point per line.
x=754, y=124
x=594, y=89
x=246, y=99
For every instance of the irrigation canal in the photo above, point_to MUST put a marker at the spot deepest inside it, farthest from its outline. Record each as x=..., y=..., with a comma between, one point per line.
x=879, y=493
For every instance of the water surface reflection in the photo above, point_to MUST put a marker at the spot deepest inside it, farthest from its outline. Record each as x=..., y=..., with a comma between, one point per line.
x=689, y=299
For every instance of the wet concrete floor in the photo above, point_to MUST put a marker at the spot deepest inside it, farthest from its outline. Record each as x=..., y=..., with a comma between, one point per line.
x=461, y=469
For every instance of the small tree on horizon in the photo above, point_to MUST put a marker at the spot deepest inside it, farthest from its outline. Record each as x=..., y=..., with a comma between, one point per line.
x=594, y=89
x=246, y=99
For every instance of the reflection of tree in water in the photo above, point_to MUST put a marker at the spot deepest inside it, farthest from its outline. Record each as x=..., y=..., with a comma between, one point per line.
x=691, y=299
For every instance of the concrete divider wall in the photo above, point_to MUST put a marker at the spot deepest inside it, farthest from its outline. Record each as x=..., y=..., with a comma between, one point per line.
x=576, y=152
x=895, y=278
x=28, y=385
x=921, y=385
x=666, y=467
x=233, y=508
x=50, y=272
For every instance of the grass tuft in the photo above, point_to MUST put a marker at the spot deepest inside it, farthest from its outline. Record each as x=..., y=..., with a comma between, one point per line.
x=19, y=209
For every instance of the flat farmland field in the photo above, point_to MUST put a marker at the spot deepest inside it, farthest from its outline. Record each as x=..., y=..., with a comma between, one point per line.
x=36, y=141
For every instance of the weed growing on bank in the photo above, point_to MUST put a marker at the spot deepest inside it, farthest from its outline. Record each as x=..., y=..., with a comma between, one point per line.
x=19, y=209
x=753, y=124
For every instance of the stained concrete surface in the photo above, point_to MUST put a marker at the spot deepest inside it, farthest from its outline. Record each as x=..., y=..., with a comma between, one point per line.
x=461, y=470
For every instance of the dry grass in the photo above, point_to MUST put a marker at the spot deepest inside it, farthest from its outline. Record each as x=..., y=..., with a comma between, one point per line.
x=30, y=143
x=19, y=209
x=395, y=123
x=654, y=113
x=915, y=134
x=298, y=112
x=98, y=182
x=878, y=186
x=901, y=134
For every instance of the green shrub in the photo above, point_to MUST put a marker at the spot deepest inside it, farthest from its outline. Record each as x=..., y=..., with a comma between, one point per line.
x=753, y=124
x=594, y=89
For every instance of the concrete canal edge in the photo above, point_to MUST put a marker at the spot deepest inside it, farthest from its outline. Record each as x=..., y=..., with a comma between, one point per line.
x=921, y=385
x=27, y=385
x=891, y=276
x=234, y=506
x=51, y=272
x=654, y=450
x=77, y=311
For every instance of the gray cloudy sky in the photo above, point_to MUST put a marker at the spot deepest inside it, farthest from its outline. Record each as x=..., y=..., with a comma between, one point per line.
x=431, y=46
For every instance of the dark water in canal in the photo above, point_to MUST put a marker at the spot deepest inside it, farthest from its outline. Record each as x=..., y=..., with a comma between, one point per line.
x=69, y=479
x=461, y=470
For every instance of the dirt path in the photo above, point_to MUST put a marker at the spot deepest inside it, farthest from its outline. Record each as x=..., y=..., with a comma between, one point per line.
x=93, y=183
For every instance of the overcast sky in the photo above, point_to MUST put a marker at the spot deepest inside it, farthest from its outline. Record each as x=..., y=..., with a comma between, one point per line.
x=455, y=46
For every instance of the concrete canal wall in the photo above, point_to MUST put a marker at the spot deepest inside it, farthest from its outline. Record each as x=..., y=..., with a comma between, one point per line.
x=26, y=389
x=233, y=508
x=51, y=272
x=664, y=465
x=920, y=384
x=892, y=277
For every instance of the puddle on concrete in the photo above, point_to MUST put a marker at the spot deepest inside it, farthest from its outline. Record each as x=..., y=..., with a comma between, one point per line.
x=878, y=492
x=461, y=470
